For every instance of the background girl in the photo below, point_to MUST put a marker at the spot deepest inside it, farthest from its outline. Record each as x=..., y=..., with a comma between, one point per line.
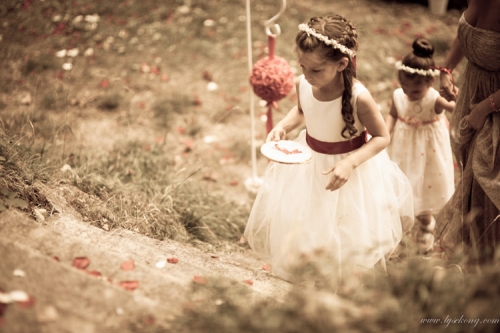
x=420, y=139
x=349, y=200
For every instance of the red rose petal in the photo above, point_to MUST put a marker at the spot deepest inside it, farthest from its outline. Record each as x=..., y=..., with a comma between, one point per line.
x=81, y=262
x=200, y=279
x=266, y=267
x=129, y=285
x=93, y=273
x=172, y=260
x=127, y=265
x=28, y=303
x=249, y=282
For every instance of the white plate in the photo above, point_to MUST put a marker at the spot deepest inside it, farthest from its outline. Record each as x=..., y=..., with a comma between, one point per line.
x=286, y=151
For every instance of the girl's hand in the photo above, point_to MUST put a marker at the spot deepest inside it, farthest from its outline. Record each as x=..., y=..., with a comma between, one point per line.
x=341, y=171
x=446, y=87
x=276, y=134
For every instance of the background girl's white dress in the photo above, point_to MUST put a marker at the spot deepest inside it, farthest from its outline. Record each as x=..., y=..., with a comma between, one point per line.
x=423, y=152
x=357, y=225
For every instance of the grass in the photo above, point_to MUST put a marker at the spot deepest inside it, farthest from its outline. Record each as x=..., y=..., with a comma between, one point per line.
x=147, y=167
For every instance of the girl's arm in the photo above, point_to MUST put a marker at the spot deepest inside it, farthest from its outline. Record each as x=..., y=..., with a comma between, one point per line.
x=372, y=119
x=391, y=118
x=442, y=104
x=292, y=120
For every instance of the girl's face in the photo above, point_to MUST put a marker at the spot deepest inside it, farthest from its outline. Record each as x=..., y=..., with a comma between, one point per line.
x=415, y=89
x=318, y=71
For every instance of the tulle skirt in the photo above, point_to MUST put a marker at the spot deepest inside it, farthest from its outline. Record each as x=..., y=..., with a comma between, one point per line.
x=361, y=223
x=424, y=155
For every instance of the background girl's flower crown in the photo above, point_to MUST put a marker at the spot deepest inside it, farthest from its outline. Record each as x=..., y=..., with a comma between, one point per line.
x=423, y=72
x=331, y=42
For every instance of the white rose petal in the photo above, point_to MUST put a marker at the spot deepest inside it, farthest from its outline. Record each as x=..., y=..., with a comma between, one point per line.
x=19, y=296
x=73, y=52
x=65, y=167
x=78, y=19
x=5, y=298
x=88, y=52
x=61, y=54
x=183, y=9
x=92, y=18
x=67, y=66
x=19, y=273
x=212, y=86
x=161, y=264
x=210, y=139
x=209, y=23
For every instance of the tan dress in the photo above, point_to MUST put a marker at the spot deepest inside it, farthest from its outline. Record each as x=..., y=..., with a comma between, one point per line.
x=471, y=214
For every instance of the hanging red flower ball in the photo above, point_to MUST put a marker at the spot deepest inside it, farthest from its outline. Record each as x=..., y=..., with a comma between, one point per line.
x=272, y=78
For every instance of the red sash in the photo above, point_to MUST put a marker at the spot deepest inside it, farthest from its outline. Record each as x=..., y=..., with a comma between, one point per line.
x=335, y=148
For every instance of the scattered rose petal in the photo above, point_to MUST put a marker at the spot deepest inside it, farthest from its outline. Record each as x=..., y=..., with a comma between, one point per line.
x=233, y=183
x=249, y=282
x=94, y=273
x=47, y=314
x=161, y=264
x=19, y=296
x=61, y=53
x=215, y=257
x=212, y=86
x=81, y=262
x=149, y=320
x=181, y=129
x=209, y=23
x=104, y=83
x=183, y=9
x=172, y=260
x=67, y=66
x=207, y=76
x=164, y=78
x=56, y=258
x=127, y=265
x=73, y=52
x=145, y=68
x=29, y=303
x=5, y=298
x=88, y=52
x=26, y=99
x=200, y=279
x=129, y=285
x=266, y=267
x=92, y=18
x=19, y=273
x=65, y=167
x=210, y=138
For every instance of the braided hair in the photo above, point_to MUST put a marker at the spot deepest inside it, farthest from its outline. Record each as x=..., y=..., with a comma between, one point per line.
x=338, y=28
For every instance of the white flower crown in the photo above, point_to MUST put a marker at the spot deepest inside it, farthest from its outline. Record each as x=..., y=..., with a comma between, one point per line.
x=423, y=72
x=331, y=42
